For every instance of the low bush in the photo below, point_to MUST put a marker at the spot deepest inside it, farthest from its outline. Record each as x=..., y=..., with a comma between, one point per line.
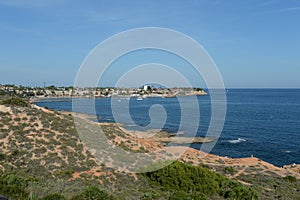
x=229, y=170
x=15, y=101
x=54, y=197
x=92, y=193
x=2, y=156
x=290, y=179
x=186, y=181
x=13, y=186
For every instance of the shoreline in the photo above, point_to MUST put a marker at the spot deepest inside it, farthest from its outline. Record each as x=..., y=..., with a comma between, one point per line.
x=69, y=98
x=291, y=168
x=89, y=117
x=168, y=136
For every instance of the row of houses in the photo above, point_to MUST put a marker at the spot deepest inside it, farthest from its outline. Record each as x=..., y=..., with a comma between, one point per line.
x=53, y=91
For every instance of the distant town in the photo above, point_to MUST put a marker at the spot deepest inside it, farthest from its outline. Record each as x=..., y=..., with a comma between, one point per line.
x=65, y=92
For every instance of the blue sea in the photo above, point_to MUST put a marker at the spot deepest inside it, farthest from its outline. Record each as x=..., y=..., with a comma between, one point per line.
x=264, y=123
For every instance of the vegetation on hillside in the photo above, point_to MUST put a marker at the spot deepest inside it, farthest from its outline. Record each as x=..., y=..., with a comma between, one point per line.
x=16, y=101
x=14, y=186
x=191, y=182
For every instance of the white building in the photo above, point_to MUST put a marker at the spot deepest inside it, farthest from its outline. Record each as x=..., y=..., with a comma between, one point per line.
x=146, y=87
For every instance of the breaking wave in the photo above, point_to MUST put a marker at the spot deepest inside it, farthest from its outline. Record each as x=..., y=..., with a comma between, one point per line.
x=239, y=140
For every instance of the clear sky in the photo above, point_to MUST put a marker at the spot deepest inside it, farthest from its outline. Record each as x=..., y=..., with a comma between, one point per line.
x=254, y=43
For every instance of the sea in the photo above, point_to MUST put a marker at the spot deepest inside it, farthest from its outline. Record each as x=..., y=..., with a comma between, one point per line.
x=264, y=123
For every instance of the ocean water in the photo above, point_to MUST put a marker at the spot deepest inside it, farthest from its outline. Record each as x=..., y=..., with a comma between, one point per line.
x=264, y=123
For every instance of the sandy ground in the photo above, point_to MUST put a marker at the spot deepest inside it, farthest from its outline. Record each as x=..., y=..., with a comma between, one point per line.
x=240, y=164
x=193, y=156
x=4, y=108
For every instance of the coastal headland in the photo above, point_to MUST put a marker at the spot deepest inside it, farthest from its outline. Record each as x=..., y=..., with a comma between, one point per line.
x=43, y=146
x=135, y=140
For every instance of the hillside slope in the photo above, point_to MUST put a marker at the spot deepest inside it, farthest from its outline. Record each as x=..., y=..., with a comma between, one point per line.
x=41, y=154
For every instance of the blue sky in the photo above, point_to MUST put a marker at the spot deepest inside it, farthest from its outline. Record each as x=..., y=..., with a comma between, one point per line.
x=254, y=43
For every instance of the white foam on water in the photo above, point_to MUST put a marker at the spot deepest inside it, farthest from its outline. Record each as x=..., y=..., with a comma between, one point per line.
x=132, y=125
x=239, y=140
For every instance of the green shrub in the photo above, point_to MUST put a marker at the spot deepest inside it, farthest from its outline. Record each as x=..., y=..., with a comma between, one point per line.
x=2, y=156
x=290, y=179
x=92, y=193
x=55, y=196
x=229, y=170
x=16, y=102
x=180, y=195
x=13, y=186
x=179, y=176
x=235, y=190
x=186, y=181
x=64, y=173
x=151, y=195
